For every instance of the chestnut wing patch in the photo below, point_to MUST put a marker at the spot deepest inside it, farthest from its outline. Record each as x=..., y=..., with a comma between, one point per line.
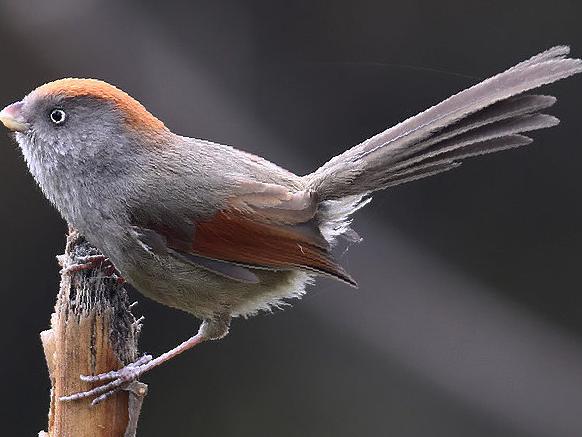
x=232, y=236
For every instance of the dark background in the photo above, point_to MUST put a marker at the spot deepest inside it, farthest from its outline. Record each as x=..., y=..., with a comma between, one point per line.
x=468, y=320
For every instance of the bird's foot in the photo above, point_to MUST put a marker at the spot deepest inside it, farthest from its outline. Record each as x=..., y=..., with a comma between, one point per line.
x=122, y=379
x=94, y=262
x=117, y=380
x=86, y=263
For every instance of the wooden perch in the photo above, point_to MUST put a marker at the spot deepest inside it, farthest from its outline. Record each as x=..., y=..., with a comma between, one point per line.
x=92, y=331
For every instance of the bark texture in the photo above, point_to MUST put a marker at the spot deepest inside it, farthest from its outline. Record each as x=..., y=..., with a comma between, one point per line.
x=92, y=331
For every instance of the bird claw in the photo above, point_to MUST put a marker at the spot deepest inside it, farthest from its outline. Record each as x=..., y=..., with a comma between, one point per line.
x=118, y=380
x=94, y=262
x=85, y=263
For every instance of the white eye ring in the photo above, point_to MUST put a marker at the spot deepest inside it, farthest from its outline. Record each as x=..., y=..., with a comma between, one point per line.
x=58, y=116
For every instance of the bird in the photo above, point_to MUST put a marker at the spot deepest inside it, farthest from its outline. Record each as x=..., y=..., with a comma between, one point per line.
x=221, y=233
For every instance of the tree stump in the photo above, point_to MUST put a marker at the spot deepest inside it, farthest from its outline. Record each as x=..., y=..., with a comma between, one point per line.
x=92, y=331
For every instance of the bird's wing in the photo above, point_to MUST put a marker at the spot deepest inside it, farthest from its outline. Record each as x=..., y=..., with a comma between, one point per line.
x=263, y=226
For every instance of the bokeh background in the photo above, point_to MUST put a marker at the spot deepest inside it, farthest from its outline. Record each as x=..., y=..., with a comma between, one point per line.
x=468, y=320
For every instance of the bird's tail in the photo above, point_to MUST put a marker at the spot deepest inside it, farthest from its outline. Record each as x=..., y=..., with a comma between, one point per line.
x=488, y=117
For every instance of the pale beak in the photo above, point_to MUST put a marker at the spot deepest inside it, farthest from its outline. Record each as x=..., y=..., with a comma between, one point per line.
x=11, y=117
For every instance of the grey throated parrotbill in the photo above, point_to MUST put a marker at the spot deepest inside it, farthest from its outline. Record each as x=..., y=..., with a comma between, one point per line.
x=220, y=233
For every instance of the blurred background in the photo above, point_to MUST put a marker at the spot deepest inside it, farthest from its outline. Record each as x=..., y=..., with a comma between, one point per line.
x=468, y=319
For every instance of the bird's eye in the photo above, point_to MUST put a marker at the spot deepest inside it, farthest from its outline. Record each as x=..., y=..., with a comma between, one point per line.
x=58, y=116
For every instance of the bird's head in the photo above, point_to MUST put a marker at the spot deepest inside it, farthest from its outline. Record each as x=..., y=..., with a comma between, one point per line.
x=81, y=118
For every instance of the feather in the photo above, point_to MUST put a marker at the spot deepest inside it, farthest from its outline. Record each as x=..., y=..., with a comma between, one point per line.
x=226, y=269
x=499, y=129
x=448, y=160
x=264, y=226
x=491, y=109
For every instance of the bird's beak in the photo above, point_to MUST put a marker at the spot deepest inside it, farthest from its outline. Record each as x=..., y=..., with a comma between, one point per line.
x=11, y=117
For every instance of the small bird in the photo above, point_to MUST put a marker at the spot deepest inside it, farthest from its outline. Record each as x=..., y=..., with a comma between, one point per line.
x=220, y=233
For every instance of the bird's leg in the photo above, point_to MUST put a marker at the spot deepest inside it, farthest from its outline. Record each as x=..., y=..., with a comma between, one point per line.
x=119, y=379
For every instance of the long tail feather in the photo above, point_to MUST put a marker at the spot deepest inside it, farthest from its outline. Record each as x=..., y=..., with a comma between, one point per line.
x=485, y=118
